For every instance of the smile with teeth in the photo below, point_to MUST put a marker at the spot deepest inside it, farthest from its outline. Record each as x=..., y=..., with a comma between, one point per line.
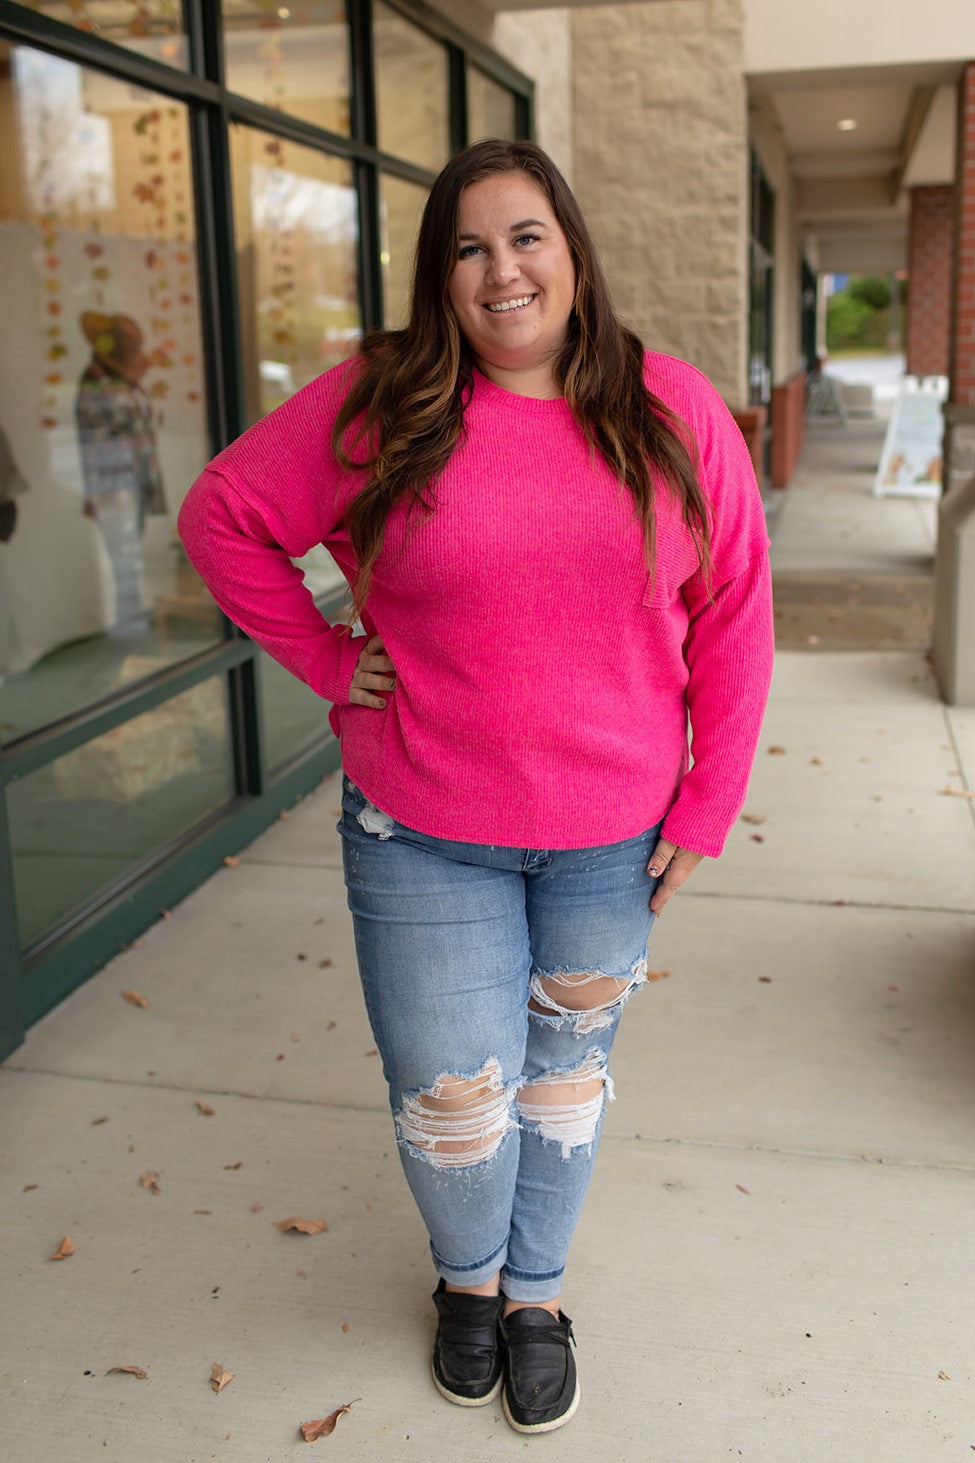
x=503, y=305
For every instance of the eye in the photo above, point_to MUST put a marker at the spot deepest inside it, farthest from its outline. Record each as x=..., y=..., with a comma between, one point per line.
x=527, y=239
x=467, y=251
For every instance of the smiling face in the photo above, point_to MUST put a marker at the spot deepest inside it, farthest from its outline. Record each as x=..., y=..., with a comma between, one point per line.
x=513, y=284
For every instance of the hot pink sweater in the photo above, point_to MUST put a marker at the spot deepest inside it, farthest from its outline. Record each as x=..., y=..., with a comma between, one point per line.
x=544, y=677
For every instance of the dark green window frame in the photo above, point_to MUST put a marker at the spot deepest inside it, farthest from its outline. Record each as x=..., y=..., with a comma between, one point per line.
x=35, y=978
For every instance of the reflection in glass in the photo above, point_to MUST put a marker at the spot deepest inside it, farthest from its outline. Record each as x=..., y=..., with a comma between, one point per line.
x=490, y=107
x=151, y=27
x=411, y=90
x=293, y=717
x=292, y=58
x=400, y=207
x=80, y=823
x=297, y=228
x=102, y=410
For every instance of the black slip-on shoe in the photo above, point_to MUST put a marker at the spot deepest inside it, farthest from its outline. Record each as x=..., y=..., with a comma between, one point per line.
x=467, y=1362
x=541, y=1390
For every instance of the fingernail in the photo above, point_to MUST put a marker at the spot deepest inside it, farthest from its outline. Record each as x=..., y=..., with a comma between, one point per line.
x=652, y=869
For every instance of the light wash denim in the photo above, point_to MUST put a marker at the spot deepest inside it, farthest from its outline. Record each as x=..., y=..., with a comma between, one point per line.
x=452, y=941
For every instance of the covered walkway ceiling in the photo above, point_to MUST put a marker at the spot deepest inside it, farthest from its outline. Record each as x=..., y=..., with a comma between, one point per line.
x=851, y=185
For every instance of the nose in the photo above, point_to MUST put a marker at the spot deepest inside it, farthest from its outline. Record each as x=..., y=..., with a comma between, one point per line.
x=502, y=268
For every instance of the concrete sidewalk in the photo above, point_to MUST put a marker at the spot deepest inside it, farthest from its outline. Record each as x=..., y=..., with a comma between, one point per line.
x=776, y=1258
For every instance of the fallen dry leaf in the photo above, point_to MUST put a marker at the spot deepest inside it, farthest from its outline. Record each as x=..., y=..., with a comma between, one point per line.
x=658, y=975
x=765, y=979
x=303, y=1226
x=345, y=1325
x=372, y=1052
x=150, y=1180
x=325, y=964
x=322, y=1427
x=202, y=1211
x=205, y=1108
x=741, y=1189
x=331, y=1025
x=234, y=1166
x=757, y=837
x=134, y=999
x=96, y=1121
x=166, y=914
x=817, y=761
x=135, y=1371
x=64, y=1250
x=28, y=1188
x=776, y=751
x=219, y=1378
x=753, y=818
x=283, y=815
x=231, y=860
x=944, y=1377
x=957, y=792
x=256, y=1208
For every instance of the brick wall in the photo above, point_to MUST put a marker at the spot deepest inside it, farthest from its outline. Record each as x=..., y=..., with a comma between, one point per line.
x=930, y=247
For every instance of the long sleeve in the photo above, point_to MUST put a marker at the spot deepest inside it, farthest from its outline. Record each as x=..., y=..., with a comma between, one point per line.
x=728, y=647
x=244, y=558
x=728, y=651
x=265, y=500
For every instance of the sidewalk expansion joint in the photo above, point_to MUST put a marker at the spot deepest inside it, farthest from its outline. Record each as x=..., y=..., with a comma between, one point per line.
x=127, y=1083
x=876, y=1160
x=830, y=903
x=959, y=762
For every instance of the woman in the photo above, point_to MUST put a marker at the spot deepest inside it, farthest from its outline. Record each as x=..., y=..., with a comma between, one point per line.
x=558, y=552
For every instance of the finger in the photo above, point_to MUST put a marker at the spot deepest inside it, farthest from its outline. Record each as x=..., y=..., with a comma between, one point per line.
x=364, y=680
x=678, y=871
x=661, y=857
x=360, y=697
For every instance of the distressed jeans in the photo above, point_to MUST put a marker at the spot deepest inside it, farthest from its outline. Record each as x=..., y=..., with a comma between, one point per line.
x=474, y=962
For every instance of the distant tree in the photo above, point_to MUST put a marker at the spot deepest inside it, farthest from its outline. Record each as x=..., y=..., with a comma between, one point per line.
x=872, y=289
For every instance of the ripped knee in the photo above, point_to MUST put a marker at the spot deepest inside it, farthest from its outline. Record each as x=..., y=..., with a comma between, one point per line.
x=459, y=1121
x=565, y=1107
x=586, y=999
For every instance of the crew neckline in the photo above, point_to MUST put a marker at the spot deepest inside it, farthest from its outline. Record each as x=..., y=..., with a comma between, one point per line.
x=487, y=390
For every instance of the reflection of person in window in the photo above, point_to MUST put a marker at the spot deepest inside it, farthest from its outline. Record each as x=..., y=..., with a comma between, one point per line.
x=122, y=482
x=11, y=483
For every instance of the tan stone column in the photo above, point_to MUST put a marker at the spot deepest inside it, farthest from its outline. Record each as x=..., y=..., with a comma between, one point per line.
x=954, y=621
x=660, y=147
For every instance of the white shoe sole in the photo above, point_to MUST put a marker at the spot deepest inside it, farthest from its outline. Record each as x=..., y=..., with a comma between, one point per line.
x=543, y=1427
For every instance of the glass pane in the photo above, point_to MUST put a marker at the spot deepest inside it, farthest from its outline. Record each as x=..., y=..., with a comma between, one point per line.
x=151, y=27
x=297, y=230
x=295, y=58
x=490, y=107
x=80, y=823
x=102, y=413
x=400, y=207
x=293, y=716
x=411, y=91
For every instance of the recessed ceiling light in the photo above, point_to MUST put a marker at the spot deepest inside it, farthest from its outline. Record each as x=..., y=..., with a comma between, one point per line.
x=846, y=124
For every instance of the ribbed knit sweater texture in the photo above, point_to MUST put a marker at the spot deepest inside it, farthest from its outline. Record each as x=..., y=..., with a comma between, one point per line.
x=545, y=677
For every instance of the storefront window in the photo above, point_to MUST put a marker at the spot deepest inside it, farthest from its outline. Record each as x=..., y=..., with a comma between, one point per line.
x=102, y=411
x=400, y=205
x=79, y=824
x=293, y=58
x=490, y=107
x=151, y=27
x=296, y=225
x=411, y=91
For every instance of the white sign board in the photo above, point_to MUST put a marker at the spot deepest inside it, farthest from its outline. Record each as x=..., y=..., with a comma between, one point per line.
x=910, y=464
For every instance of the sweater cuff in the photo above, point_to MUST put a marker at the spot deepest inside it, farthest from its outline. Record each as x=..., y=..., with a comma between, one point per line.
x=350, y=648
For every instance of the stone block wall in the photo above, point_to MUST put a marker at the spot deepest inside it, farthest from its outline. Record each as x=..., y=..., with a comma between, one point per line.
x=660, y=155
x=930, y=249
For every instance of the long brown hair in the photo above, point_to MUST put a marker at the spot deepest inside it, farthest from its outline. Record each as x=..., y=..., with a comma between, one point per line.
x=407, y=399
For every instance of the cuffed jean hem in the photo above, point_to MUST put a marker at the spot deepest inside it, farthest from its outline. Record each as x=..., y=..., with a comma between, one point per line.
x=516, y=1285
x=475, y=1274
